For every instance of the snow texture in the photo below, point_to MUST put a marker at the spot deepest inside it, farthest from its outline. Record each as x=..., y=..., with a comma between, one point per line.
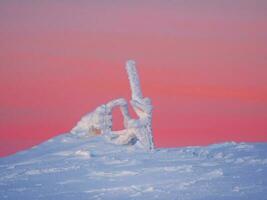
x=93, y=162
x=134, y=80
x=69, y=167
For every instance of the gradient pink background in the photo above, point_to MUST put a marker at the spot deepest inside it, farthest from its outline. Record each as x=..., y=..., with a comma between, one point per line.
x=204, y=64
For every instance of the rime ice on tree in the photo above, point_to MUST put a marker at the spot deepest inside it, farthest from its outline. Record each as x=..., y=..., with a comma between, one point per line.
x=136, y=131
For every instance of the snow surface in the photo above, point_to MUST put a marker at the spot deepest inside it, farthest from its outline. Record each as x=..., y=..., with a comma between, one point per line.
x=68, y=167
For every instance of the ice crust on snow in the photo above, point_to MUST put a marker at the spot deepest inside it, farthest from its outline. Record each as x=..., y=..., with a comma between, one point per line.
x=54, y=170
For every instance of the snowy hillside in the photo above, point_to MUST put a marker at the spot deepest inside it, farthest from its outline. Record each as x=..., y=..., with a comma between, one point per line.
x=68, y=167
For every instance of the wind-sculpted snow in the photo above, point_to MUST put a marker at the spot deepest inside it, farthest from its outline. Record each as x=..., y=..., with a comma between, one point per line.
x=68, y=167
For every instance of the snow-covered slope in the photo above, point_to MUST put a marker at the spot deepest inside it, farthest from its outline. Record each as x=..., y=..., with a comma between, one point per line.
x=68, y=167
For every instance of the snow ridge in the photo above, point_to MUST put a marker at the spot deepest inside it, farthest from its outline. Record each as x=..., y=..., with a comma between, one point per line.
x=91, y=168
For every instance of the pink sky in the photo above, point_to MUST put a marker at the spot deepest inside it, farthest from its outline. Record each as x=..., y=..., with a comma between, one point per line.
x=204, y=65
